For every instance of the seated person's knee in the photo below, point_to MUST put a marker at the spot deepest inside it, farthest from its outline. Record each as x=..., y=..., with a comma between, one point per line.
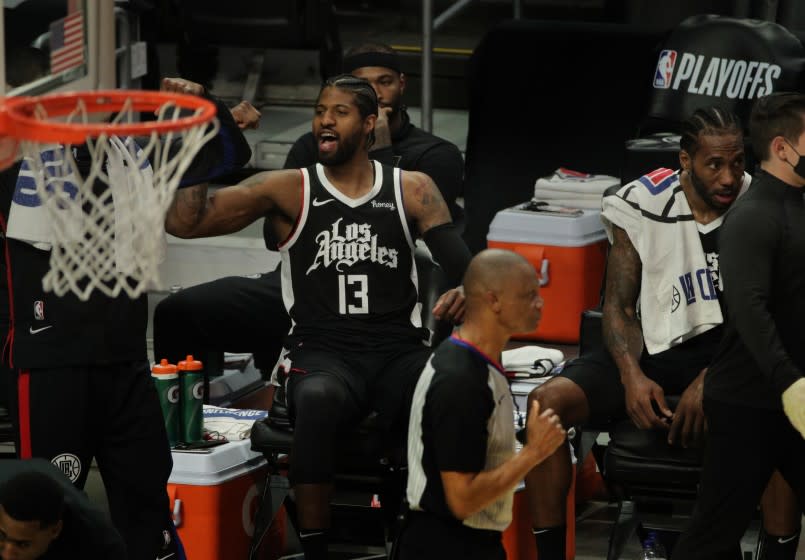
x=556, y=394
x=320, y=399
x=172, y=310
x=313, y=396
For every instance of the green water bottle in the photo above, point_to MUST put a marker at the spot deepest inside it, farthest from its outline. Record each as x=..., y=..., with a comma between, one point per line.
x=191, y=379
x=166, y=381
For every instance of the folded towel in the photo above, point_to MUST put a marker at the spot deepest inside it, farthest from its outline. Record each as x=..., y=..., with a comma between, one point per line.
x=569, y=181
x=573, y=202
x=550, y=194
x=531, y=361
x=233, y=424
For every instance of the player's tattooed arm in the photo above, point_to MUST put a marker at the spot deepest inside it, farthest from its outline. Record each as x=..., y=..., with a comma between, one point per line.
x=424, y=204
x=423, y=201
x=230, y=209
x=623, y=335
x=186, y=210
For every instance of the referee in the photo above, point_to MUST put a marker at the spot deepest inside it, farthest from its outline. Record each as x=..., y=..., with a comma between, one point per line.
x=461, y=447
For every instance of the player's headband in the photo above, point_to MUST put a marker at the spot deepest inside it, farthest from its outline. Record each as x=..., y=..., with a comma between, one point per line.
x=361, y=60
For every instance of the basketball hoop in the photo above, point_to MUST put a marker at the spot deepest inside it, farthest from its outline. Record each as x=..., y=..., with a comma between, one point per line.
x=106, y=187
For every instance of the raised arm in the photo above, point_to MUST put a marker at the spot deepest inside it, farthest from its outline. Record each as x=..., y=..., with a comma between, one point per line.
x=623, y=334
x=425, y=206
x=228, y=151
x=230, y=209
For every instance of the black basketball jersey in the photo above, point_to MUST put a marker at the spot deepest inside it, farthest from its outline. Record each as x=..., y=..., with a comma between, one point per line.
x=348, y=269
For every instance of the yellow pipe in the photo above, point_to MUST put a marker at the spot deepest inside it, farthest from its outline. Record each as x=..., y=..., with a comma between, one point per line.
x=437, y=50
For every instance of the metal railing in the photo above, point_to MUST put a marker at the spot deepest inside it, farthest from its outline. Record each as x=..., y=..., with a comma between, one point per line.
x=429, y=25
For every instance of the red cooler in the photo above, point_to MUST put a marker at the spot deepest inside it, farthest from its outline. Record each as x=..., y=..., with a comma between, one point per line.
x=214, y=498
x=569, y=252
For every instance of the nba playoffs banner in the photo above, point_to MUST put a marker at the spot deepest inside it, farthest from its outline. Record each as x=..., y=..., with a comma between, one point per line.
x=713, y=60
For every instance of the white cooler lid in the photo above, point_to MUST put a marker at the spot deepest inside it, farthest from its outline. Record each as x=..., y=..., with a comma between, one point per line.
x=222, y=463
x=514, y=225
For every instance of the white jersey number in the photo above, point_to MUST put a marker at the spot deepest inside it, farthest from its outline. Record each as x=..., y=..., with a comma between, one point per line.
x=359, y=294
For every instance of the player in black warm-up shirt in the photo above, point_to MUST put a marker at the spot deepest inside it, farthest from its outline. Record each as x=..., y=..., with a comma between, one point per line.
x=246, y=314
x=462, y=468
x=754, y=391
x=659, y=225
x=347, y=229
x=83, y=384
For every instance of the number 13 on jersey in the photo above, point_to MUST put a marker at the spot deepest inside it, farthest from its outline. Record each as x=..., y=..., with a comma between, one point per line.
x=358, y=287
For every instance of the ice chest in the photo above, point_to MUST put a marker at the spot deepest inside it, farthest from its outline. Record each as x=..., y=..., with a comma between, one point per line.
x=569, y=252
x=214, y=497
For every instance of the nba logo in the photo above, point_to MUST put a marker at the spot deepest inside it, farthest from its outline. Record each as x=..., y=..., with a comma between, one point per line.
x=665, y=69
x=39, y=310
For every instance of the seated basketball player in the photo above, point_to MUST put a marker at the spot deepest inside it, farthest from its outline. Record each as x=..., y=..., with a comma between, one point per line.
x=239, y=313
x=664, y=261
x=347, y=227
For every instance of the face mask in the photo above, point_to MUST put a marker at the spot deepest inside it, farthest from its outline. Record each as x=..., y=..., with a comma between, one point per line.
x=799, y=168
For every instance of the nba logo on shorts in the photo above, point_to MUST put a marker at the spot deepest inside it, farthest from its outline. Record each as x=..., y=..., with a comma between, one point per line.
x=39, y=310
x=665, y=69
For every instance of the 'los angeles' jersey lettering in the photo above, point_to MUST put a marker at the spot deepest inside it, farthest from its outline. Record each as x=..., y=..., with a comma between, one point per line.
x=342, y=246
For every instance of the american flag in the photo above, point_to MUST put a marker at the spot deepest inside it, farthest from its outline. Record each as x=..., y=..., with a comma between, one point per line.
x=67, y=43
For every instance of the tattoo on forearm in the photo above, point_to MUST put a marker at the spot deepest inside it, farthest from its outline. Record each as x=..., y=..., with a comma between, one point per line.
x=622, y=331
x=192, y=202
x=428, y=193
x=422, y=195
x=254, y=180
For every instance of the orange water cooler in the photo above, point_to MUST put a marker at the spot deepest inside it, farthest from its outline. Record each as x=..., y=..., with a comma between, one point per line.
x=214, y=497
x=569, y=252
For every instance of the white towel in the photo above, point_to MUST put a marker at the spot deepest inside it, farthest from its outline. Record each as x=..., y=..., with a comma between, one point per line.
x=233, y=424
x=654, y=212
x=584, y=203
x=549, y=194
x=532, y=360
x=568, y=181
x=28, y=218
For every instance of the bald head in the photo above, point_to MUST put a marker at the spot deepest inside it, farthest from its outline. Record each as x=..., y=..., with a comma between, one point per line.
x=502, y=292
x=489, y=271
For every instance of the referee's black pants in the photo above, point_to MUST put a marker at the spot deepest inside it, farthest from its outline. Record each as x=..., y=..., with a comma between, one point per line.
x=744, y=445
x=425, y=536
x=232, y=314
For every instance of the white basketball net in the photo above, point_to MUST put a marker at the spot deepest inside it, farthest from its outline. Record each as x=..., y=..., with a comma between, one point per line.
x=107, y=220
